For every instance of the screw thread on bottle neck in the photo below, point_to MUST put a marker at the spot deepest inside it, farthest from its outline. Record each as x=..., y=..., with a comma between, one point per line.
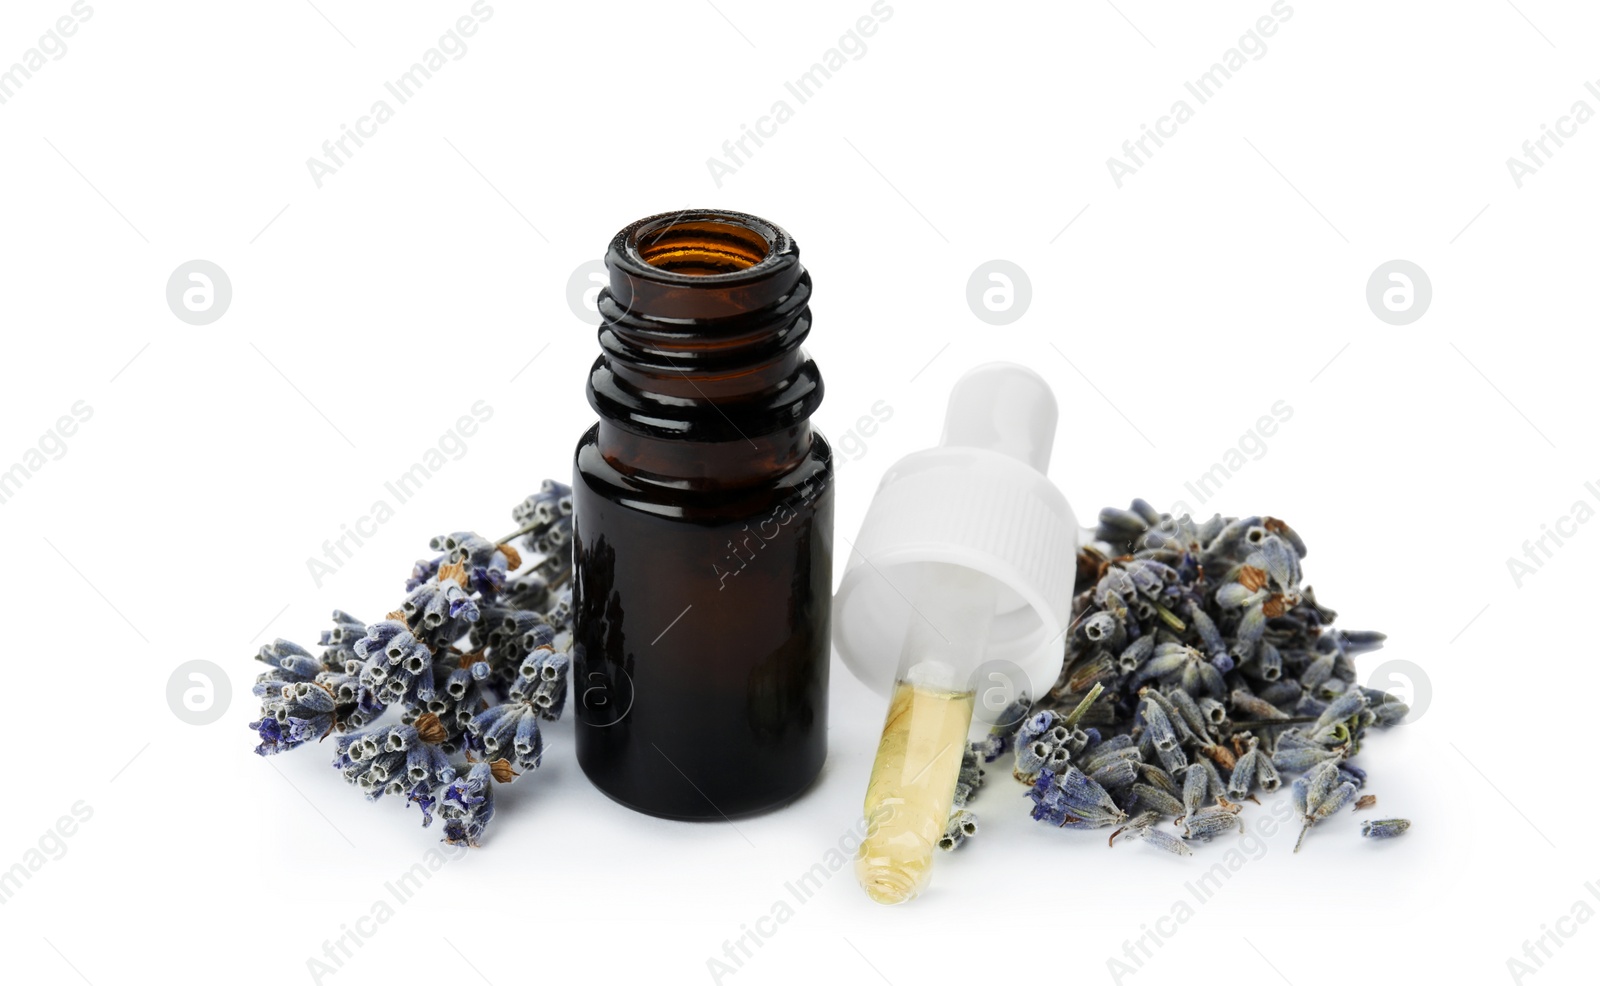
x=701, y=328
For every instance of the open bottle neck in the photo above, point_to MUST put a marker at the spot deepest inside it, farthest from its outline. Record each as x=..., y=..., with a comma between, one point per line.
x=701, y=378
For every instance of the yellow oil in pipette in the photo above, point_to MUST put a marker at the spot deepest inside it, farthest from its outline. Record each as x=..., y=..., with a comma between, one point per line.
x=913, y=783
x=925, y=731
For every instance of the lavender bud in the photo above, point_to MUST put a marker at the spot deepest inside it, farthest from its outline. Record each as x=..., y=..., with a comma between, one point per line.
x=1189, y=712
x=1284, y=691
x=1243, y=778
x=1100, y=626
x=1136, y=653
x=1156, y=799
x=962, y=826
x=1267, y=777
x=1163, y=840
x=1195, y=784
x=1157, y=777
x=1114, y=773
x=1031, y=758
x=1386, y=828
x=1158, y=725
x=1207, y=822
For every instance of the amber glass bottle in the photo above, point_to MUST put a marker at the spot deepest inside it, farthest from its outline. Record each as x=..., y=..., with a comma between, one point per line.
x=703, y=525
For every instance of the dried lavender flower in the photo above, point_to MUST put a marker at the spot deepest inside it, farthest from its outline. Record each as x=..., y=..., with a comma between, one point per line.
x=475, y=656
x=1208, y=822
x=1386, y=828
x=970, y=777
x=963, y=826
x=1115, y=772
x=1145, y=796
x=1208, y=671
x=1071, y=799
x=1195, y=785
x=467, y=805
x=1323, y=794
x=1004, y=729
x=1163, y=840
x=1243, y=778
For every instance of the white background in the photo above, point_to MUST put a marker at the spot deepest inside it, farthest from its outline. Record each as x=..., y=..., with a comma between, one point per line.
x=367, y=315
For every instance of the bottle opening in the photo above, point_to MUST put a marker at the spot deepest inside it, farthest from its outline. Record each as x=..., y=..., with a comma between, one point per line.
x=702, y=248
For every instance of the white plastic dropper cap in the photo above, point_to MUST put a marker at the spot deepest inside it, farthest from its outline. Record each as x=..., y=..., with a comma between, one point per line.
x=979, y=501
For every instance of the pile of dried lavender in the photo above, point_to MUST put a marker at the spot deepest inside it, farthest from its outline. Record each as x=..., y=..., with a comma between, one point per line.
x=1198, y=672
x=443, y=696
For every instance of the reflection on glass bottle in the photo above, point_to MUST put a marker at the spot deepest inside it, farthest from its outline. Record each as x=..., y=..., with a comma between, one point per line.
x=703, y=518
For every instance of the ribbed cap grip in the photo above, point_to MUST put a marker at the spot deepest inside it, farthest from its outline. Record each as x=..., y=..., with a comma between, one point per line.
x=987, y=509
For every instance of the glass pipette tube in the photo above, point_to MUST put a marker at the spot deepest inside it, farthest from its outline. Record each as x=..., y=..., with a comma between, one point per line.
x=925, y=732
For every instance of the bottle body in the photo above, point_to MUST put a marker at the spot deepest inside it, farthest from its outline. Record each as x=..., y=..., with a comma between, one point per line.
x=702, y=526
